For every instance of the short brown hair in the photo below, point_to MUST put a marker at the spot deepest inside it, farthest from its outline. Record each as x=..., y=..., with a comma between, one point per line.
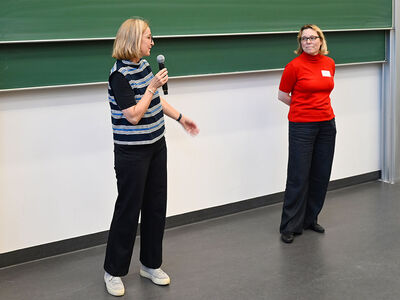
x=324, y=47
x=128, y=39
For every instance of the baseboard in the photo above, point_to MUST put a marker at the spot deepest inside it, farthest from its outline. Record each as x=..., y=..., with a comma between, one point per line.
x=52, y=249
x=91, y=240
x=349, y=181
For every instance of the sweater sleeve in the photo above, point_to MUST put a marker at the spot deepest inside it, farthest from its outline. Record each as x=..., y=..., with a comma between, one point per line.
x=123, y=93
x=288, y=79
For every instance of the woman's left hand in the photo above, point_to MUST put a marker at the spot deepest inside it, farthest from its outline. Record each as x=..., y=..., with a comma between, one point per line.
x=189, y=126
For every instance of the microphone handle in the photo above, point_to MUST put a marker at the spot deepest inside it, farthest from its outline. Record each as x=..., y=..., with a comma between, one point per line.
x=165, y=85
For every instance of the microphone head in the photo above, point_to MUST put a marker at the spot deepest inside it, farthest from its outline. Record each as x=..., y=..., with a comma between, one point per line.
x=160, y=59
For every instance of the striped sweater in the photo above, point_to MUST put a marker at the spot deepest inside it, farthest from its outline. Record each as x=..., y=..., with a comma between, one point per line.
x=151, y=127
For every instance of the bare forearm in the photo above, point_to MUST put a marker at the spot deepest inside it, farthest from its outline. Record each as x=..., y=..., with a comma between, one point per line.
x=135, y=113
x=186, y=123
x=284, y=97
x=169, y=110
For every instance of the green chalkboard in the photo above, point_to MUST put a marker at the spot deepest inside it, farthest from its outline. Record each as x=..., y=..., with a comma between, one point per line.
x=74, y=19
x=49, y=64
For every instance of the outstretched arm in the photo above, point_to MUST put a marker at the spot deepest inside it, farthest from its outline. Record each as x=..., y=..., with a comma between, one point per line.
x=187, y=123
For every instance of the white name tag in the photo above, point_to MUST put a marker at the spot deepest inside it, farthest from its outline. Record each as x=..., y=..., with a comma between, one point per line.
x=326, y=73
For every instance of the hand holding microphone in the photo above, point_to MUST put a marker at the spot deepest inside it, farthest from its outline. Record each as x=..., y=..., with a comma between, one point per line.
x=161, y=65
x=187, y=123
x=159, y=79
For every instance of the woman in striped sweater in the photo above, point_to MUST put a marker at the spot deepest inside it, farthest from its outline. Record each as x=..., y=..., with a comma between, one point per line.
x=137, y=114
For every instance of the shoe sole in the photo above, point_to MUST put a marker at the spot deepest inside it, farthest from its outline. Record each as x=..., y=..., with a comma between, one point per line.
x=155, y=280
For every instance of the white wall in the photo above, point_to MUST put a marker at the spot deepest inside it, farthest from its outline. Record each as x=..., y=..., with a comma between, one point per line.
x=56, y=162
x=357, y=105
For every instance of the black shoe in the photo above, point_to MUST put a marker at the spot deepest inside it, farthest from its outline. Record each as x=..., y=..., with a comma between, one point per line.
x=287, y=237
x=316, y=227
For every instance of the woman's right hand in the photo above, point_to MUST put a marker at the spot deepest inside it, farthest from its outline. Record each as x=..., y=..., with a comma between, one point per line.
x=159, y=79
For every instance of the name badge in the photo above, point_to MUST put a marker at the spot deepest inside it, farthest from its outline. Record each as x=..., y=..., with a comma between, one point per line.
x=326, y=73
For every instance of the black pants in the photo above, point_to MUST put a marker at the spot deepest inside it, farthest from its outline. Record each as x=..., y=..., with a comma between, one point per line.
x=311, y=149
x=142, y=186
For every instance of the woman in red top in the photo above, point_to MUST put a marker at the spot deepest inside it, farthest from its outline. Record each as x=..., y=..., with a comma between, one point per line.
x=306, y=84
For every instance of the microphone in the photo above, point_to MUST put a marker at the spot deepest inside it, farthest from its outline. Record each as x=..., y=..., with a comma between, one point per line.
x=161, y=65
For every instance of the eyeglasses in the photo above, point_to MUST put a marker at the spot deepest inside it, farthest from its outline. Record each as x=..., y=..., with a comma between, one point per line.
x=150, y=37
x=311, y=38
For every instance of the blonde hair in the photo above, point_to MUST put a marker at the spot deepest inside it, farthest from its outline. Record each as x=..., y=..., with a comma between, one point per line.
x=324, y=47
x=129, y=38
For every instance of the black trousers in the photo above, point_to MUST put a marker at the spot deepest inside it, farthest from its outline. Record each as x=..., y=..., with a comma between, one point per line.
x=311, y=149
x=142, y=187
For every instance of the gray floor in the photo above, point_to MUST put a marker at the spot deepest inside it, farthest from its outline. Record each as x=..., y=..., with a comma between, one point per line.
x=241, y=257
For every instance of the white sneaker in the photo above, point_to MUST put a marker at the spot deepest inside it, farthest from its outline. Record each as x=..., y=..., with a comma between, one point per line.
x=158, y=276
x=114, y=285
